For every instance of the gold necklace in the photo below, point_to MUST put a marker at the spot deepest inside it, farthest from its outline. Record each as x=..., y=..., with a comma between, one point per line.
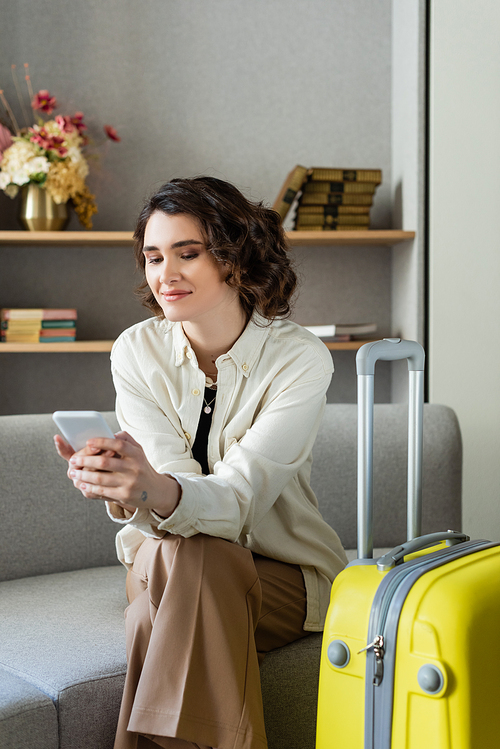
x=208, y=408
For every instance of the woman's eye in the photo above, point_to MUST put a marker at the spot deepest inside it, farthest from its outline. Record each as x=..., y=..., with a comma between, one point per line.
x=153, y=260
x=189, y=256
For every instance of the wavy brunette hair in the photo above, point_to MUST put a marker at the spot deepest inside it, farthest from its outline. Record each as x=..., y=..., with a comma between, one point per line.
x=246, y=236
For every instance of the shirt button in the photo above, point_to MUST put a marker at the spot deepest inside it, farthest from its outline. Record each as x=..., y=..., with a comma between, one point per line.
x=187, y=435
x=244, y=367
x=189, y=355
x=195, y=391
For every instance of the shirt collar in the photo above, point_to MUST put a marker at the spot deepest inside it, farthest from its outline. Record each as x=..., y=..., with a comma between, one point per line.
x=182, y=347
x=247, y=348
x=244, y=353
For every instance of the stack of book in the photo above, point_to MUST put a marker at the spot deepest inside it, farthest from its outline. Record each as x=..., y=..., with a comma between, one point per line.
x=37, y=325
x=343, y=331
x=329, y=199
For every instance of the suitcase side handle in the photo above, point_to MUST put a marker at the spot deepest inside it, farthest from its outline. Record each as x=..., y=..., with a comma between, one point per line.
x=396, y=555
x=389, y=349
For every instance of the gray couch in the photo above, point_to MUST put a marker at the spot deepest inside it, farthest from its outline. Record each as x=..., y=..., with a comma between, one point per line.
x=62, y=594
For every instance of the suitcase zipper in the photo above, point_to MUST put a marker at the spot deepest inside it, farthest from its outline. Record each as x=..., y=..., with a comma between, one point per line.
x=378, y=648
x=381, y=609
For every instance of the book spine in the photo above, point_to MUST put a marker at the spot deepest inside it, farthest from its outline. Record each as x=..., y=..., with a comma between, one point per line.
x=9, y=313
x=320, y=227
x=19, y=337
x=330, y=221
x=22, y=326
x=58, y=324
x=289, y=190
x=335, y=199
x=57, y=339
x=347, y=175
x=333, y=210
x=339, y=187
x=64, y=332
x=59, y=314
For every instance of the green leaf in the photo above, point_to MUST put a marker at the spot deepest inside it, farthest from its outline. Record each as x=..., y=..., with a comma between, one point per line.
x=40, y=178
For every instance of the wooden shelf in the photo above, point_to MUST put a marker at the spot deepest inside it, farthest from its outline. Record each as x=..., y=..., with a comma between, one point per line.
x=67, y=237
x=75, y=347
x=348, y=345
x=367, y=237
x=296, y=238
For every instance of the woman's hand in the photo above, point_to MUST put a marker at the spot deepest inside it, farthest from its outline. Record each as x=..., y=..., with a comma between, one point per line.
x=65, y=450
x=117, y=470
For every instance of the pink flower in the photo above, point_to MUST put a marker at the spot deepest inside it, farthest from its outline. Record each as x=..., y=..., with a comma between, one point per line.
x=65, y=124
x=44, y=102
x=49, y=142
x=5, y=140
x=70, y=124
x=111, y=133
x=77, y=121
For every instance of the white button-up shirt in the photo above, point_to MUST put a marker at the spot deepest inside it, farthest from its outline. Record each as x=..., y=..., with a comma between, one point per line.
x=270, y=400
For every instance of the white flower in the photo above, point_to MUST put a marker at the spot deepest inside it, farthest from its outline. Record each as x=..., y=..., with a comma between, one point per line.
x=4, y=180
x=76, y=157
x=20, y=177
x=37, y=165
x=17, y=155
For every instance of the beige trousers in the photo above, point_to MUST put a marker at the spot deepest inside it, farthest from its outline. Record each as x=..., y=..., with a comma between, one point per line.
x=203, y=612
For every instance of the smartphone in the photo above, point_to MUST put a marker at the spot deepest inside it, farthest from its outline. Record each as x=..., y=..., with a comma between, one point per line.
x=79, y=426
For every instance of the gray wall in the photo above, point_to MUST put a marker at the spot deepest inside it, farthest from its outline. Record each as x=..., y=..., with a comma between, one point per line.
x=464, y=254
x=235, y=89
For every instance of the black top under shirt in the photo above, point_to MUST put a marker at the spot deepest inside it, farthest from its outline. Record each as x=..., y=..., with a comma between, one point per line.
x=200, y=445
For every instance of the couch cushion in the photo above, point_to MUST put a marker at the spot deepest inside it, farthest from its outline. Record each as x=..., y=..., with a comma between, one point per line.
x=289, y=677
x=47, y=526
x=28, y=717
x=65, y=635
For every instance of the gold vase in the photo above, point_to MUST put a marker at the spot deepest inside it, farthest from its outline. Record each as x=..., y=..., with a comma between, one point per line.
x=39, y=212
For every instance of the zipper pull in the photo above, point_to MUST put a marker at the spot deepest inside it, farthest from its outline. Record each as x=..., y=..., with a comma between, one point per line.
x=378, y=674
x=377, y=644
x=378, y=649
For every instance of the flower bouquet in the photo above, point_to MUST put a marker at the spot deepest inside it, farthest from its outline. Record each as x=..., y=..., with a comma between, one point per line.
x=50, y=154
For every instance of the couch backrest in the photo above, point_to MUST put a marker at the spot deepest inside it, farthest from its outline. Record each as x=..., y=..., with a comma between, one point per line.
x=48, y=527
x=334, y=473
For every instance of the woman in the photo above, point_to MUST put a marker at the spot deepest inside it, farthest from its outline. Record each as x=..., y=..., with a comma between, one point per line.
x=221, y=399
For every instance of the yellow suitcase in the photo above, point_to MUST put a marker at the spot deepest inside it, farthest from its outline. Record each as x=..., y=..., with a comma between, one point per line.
x=411, y=646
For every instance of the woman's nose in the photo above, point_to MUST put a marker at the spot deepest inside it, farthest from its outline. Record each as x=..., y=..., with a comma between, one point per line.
x=169, y=272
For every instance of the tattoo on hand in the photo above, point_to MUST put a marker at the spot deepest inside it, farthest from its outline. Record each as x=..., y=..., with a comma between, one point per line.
x=144, y=496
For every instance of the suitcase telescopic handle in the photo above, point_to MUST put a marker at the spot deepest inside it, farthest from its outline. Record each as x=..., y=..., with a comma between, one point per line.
x=396, y=555
x=389, y=349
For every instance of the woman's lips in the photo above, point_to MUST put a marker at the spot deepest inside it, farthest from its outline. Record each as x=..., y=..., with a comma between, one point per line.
x=175, y=296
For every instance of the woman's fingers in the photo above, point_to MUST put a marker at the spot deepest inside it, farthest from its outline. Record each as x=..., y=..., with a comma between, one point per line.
x=63, y=448
x=101, y=485
x=94, y=477
x=123, y=444
x=105, y=462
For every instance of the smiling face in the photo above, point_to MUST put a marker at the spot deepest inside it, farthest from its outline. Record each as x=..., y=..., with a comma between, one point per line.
x=185, y=279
